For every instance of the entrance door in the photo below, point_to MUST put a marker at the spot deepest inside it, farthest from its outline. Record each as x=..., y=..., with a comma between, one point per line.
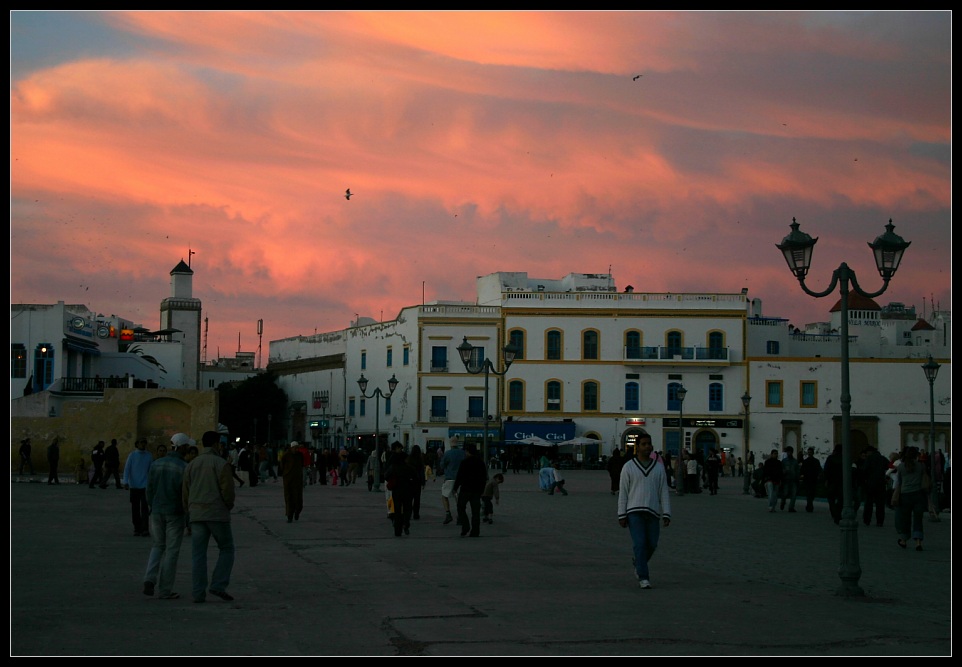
x=705, y=440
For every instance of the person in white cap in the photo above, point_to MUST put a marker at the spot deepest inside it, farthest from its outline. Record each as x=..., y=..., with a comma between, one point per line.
x=292, y=470
x=165, y=481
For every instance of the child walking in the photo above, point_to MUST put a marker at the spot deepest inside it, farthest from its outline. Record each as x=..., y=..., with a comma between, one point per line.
x=491, y=490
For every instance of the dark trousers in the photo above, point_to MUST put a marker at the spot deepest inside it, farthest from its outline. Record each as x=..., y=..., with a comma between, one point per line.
x=26, y=461
x=810, y=496
x=487, y=507
x=416, y=502
x=835, y=501
x=874, y=497
x=52, y=475
x=111, y=472
x=98, y=477
x=474, y=500
x=139, y=514
x=402, y=512
x=713, y=483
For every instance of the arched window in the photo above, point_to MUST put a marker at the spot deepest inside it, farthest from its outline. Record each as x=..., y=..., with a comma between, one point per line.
x=633, y=345
x=673, y=343
x=552, y=394
x=716, y=345
x=589, y=344
x=589, y=396
x=632, y=397
x=516, y=395
x=516, y=338
x=553, y=345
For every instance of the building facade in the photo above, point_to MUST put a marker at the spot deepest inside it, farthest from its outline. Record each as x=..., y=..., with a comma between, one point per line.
x=596, y=367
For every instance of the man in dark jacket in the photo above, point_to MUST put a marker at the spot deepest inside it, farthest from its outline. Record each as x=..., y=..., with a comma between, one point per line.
x=833, y=483
x=872, y=474
x=772, y=477
x=25, y=455
x=811, y=470
x=112, y=465
x=469, y=485
x=404, y=482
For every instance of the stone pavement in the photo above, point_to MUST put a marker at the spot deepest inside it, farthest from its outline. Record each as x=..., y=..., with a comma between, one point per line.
x=551, y=577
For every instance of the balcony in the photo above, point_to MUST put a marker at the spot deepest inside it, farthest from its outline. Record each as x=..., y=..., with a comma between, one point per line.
x=475, y=418
x=439, y=415
x=439, y=367
x=96, y=386
x=713, y=355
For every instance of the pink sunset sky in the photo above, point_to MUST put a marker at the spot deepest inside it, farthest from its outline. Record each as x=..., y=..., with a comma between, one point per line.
x=673, y=148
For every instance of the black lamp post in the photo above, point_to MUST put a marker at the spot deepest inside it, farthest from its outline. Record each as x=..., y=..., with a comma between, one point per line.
x=746, y=483
x=466, y=350
x=680, y=472
x=888, y=249
x=931, y=369
x=377, y=394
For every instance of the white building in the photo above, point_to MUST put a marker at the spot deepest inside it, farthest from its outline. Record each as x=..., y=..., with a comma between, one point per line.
x=606, y=365
x=795, y=380
x=74, y=352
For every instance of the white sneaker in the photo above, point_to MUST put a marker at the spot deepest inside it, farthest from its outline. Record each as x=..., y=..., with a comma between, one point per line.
x=644, y=583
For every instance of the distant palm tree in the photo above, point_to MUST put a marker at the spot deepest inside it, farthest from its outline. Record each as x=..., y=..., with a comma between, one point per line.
x=139, y=351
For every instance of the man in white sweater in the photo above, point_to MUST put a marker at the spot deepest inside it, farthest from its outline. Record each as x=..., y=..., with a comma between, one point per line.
x=643, y=505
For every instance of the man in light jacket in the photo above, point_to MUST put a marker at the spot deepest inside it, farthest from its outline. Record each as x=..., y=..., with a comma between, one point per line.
x=209, y=498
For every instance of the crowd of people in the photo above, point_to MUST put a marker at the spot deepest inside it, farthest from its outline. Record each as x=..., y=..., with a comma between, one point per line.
x=177, y=491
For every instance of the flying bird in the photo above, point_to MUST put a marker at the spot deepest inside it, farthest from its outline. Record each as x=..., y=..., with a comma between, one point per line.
x=635, y=78
x=347, y=194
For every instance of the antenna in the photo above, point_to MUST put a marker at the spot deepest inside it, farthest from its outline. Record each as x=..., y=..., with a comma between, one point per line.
x=204, y=358
x=189, y=253
x=260, y=335
x=238, y=342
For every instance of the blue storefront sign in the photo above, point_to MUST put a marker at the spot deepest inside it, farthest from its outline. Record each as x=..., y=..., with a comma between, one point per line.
x=551, y=431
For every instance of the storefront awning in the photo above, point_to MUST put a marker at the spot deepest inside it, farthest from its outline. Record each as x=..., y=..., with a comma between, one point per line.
x=81, y=346
x=553, y=432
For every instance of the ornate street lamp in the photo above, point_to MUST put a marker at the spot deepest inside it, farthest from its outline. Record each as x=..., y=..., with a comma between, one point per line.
x=931, y=369
x=888, y=249
x=466, y=350
x=377, y=394
x=680, y=471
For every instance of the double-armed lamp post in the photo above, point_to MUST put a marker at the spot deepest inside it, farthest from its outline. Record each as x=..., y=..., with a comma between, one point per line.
x=888, y=249
x=475, y=366
x=377, y=393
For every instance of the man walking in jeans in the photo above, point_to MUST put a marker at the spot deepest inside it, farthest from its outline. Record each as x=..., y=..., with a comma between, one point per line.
x=209, y=498
x=643, y=505
x=165, y=484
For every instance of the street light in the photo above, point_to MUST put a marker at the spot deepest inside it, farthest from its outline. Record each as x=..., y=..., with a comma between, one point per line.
x=377, y=393
x=888, y=249
x=746, y=483
x=681, y=392
x=931, y=369
x=466, y=350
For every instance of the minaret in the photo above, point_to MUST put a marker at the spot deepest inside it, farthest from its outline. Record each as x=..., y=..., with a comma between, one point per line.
x=182, y=311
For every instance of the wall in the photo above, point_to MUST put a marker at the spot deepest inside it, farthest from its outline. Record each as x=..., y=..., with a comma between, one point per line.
x=124, y=414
